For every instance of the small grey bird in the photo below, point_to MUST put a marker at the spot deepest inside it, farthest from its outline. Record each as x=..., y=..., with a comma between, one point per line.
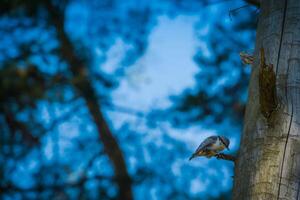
x=211, y=146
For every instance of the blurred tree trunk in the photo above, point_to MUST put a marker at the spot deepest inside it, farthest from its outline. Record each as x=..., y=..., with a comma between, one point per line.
x=268, y=165
x=83, y=85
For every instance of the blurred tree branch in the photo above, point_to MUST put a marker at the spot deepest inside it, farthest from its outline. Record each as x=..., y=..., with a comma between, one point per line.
x=83, y=85
x=16, y=125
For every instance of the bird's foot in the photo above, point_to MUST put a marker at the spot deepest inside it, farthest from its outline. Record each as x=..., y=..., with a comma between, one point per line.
x=219, y=156
x=225, y=157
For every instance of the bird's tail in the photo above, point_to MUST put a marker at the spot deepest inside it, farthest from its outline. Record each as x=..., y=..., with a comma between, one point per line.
x=193, y=156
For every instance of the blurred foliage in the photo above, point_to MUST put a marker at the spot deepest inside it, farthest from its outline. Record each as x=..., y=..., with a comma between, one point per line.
x=38, y=100
x=221, y=85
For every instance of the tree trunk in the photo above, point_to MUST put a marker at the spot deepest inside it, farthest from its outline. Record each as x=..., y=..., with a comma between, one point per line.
x=268, y=164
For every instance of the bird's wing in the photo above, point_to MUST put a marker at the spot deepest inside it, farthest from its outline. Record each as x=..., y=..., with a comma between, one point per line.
x=206, y=143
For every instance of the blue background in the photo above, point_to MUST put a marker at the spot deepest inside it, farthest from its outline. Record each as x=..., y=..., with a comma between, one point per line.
x=170, y=76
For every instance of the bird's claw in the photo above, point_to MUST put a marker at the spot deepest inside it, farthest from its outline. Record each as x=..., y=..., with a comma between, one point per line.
x=219, y=156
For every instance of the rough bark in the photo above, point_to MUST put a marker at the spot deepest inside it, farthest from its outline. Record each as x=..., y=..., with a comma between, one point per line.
x=268, y=164
x=83, y=85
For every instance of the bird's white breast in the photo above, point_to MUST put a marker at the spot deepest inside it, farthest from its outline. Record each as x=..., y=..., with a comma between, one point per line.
x=218, y=146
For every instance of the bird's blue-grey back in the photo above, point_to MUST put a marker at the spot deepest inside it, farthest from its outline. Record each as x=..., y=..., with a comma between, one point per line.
x=207, y=143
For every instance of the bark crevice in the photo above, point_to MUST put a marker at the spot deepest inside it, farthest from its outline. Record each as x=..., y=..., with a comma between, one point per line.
x=281, y=34
x=288, y=133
